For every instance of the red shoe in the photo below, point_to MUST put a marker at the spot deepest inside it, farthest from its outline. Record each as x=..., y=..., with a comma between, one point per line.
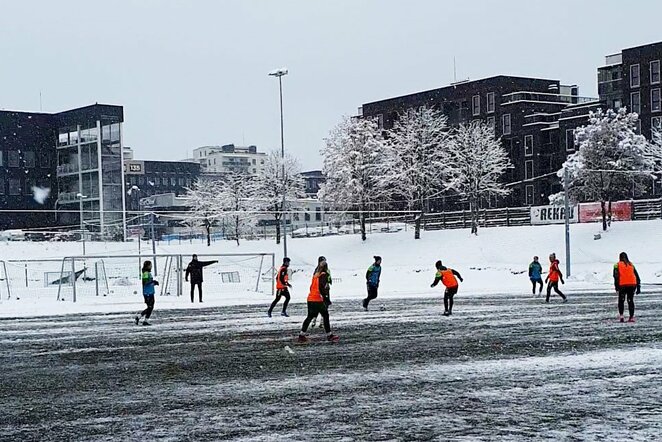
x=302, y=338
x=333, y=338
x=620, y=318
x=631, y=319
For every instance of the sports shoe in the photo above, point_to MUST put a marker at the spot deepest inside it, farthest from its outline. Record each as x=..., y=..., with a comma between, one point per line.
x=302, y=338
x=269, y=314
x=631, y=319
x=333, y=338
x=285, y=314
x=137, y=318
x=146, y=323
x=620, y=318
x=565, y=300
x=446, y=313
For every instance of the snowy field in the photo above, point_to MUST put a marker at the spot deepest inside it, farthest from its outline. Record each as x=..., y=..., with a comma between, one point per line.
x=494, y=262
x=501, y=368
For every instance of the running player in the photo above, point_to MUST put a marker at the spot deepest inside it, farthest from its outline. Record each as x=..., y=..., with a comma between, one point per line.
x=447, y=278
x=553, y=278
x=282, y=286
x=319, y=289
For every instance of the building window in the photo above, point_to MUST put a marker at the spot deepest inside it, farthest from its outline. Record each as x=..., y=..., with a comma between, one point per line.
x=475, y=105
x=173, y=181
x=380, y=122
x=2, y=186
x=506, y=124
x=306, y=216
x=529, y=195
x=528, y=169
x=490, y=102
x=13, y=158
x=618, y=104
x=635, y=81
x=638, y=127
x=635, y=102
x=30, y=158
x=44, y=161
x=656, y=123
x=655, y=72
x=569, y=139
x=655, y=100
x=29, y=184
x=1, y=158
x=528, y=145
x=182, y=182
x=491, y=123
x=14, y=186
x=318, y=214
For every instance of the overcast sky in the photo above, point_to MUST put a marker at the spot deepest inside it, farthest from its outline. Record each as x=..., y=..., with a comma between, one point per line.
x=193, y=72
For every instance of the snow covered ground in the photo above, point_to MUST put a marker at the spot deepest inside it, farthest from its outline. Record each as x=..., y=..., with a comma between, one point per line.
x=501, y=368
x=494, y=262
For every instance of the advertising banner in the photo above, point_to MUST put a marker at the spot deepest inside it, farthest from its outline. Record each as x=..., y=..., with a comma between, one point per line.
x=552, y=215
x=592, y=212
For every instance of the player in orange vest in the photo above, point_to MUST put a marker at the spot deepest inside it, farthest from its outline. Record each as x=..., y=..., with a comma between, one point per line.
x=553, y=278
x=626, y=282
x=447, y=278
x=282, y=286
x=319, y=290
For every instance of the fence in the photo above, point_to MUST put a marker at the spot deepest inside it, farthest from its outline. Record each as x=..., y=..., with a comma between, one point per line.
x=76, y=277
x=646, y=209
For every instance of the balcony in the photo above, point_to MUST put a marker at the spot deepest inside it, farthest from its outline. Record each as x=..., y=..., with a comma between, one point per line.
x=542, y=97
x=613, y=59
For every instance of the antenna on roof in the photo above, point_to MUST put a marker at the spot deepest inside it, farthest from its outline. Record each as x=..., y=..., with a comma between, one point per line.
x=454, y=71
x=40, y=106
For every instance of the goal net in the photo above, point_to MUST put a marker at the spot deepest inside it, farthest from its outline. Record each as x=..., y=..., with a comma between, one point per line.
x=236, y=275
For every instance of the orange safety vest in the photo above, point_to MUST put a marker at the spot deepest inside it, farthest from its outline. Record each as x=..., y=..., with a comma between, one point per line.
x=554, y=272
x=315, y=295
x=626, y=276
x=280, y=285
x=447, y=278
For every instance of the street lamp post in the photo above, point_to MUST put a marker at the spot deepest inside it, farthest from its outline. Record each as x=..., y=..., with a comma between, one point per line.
x=280, y=73
x=80, y=197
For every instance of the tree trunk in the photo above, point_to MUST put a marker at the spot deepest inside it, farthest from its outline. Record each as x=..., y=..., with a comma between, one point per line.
x=208, y=229
x=603, y=208
x=362, y=222
x=473, y=207
x=417, y=225
x=236, y=228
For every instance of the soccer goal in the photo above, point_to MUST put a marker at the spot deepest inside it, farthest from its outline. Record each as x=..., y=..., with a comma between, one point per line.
x=120, y=276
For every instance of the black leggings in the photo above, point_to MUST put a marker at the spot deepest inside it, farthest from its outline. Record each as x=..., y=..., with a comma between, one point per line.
x=448, y=298
x=193, y=284
x=315, y=308
x=372, y=294
x=281, y=293
x=624, y=292
x=536, y=282
x=149, y=300
x=553, y=285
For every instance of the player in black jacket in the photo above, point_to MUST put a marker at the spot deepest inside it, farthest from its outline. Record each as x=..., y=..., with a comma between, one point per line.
x=194, y=270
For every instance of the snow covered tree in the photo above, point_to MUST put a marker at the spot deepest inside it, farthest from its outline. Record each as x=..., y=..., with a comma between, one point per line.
x=203, y=210
x=351, y=164
x=654, y=150
x=611, y=162
x=414, y=157
x=476, y=162
x=237, y=203
x=275, y=179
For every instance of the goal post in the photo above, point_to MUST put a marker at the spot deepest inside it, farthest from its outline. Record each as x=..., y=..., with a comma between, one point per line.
x=120, y=275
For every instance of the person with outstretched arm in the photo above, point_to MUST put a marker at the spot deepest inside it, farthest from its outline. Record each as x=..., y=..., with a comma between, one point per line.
x=319, y=288
x=372, y=280
x=148, y=284
x=535, y=275
x=282, y=288
x=626, y=282
x=194, y=270
x=553, y=278
x=448, y=278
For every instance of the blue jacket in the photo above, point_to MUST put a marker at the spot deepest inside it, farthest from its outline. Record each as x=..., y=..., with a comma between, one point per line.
x=535, y=271
x=148, y=284
x=372, y=275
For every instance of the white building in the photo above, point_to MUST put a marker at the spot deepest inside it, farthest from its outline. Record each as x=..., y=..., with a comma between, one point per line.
x=230, y=158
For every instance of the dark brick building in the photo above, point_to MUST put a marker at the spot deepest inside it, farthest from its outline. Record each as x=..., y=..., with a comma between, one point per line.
x=530, y=115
